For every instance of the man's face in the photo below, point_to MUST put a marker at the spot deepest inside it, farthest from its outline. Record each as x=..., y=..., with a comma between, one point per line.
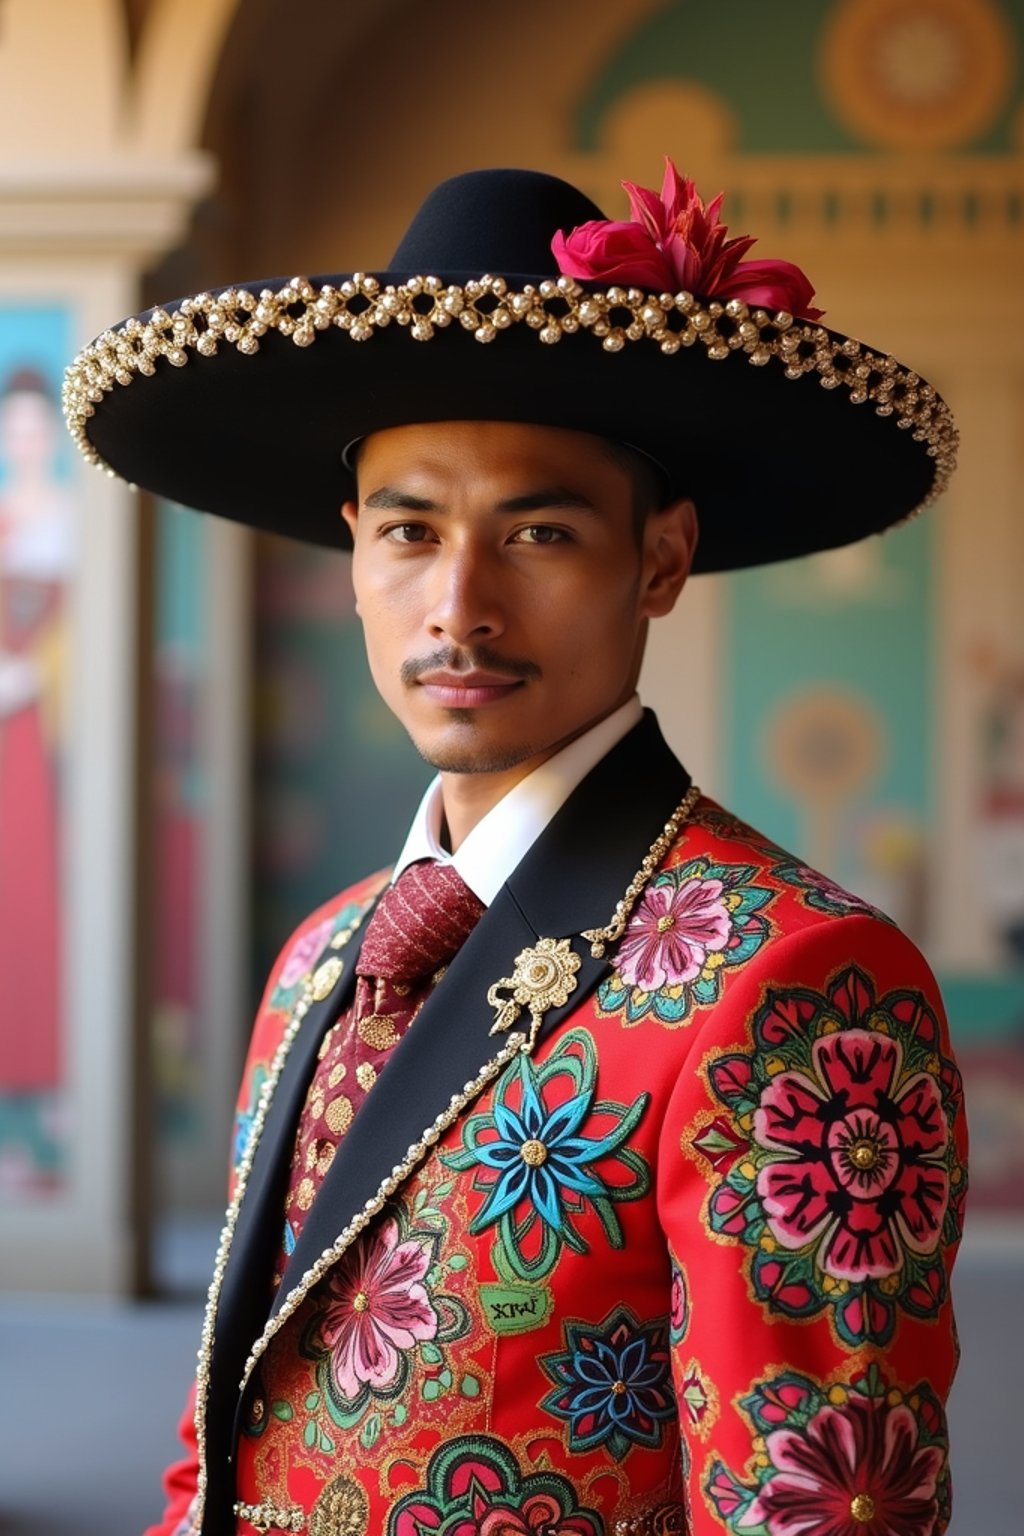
x=503, y=590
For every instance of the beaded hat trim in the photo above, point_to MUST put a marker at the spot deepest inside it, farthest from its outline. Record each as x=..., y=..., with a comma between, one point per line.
x=485, y=307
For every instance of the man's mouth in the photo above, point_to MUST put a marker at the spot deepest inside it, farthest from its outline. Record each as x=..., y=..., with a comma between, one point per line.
x=467, y=690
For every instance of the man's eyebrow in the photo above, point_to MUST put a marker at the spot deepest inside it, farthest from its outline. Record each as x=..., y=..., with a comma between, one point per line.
x=389, y=498
x=549, y=496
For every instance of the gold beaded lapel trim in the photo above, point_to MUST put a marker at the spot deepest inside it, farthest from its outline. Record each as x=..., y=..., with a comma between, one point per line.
x=329, y=964
x=600, y=938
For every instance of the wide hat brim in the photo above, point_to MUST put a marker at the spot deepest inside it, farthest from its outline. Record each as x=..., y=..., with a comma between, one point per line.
x=790, y=437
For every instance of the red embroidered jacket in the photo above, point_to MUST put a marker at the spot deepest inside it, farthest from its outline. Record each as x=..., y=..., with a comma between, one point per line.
x=679, y=1263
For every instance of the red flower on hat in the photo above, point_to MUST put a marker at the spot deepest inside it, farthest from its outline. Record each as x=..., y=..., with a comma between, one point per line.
x=676, y=242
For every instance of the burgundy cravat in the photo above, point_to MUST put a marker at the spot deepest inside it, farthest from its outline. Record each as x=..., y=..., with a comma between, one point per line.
x=419, y=924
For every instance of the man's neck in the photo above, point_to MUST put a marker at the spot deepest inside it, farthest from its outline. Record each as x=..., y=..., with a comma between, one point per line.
x=467, y=797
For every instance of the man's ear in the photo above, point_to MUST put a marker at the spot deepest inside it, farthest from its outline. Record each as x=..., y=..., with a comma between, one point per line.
x=350, y=512
x=669, y=545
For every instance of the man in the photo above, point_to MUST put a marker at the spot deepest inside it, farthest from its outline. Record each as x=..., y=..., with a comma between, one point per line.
x=600, y=1168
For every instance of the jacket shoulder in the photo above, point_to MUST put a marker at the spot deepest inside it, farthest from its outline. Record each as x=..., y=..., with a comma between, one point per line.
x=325, y=925
x=802, y=895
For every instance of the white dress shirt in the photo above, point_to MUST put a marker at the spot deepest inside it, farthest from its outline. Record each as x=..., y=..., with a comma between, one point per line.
x=490, y=853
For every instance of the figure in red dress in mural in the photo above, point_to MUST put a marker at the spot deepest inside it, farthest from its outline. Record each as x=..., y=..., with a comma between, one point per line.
x=36, y=539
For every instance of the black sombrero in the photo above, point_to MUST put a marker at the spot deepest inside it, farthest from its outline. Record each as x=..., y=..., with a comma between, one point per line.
x=789, y=436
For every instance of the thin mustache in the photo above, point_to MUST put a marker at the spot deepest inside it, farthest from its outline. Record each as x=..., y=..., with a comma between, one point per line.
x=450, y=659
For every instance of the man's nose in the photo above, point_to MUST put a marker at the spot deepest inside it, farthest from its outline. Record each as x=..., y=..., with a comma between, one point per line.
x=466, y=599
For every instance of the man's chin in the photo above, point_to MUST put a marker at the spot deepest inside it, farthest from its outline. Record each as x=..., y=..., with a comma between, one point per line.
x=469, y=756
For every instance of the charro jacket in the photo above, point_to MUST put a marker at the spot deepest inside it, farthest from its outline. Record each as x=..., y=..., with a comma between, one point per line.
x=645, y=1227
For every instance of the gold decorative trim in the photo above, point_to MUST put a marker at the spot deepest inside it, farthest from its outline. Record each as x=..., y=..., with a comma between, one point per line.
x=544, y=976
x=600, y=938
x=415, y=1154
x=271, y=1517
x=486, y=306
x=206, y=1340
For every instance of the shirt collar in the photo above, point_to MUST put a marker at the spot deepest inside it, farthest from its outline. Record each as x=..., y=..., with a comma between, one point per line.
x=500, y=839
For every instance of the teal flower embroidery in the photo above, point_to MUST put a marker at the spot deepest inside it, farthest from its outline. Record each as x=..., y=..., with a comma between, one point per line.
x=537, y=1168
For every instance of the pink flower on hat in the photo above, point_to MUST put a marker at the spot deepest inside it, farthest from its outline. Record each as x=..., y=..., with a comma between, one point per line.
x=675, y=242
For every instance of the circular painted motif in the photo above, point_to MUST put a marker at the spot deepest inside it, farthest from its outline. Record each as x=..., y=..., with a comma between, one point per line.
x=917, y=74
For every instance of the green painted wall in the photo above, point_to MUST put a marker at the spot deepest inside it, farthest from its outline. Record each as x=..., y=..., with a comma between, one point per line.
x=760, y=56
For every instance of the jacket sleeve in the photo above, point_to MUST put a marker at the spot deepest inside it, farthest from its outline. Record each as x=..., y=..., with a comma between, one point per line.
x=289, y=972
x=180, y=1479
x=811, y=1182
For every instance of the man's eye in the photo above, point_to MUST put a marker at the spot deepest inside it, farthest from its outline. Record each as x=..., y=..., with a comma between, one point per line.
x=406, y=533
x=540, y=533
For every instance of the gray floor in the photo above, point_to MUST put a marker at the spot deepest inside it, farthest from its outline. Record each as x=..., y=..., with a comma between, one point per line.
x=89, y=1395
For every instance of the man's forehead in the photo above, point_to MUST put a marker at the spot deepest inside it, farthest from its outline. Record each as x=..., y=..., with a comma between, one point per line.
x=457, y=448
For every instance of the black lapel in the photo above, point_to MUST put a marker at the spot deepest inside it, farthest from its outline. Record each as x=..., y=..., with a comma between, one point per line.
x=569, y=880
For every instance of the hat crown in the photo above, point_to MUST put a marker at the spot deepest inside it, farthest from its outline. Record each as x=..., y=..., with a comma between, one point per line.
x=500, y=221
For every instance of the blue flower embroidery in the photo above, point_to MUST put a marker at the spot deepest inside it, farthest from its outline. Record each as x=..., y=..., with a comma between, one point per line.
x=613, y=1383
x=538, y=1171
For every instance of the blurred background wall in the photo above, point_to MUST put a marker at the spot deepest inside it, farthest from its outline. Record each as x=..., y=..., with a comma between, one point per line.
x=191, y=753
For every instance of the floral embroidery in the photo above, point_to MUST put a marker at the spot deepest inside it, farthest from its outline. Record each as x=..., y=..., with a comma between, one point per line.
x=679, y=1307
x=300, y=958
x=672, y=934
x=821, y=893
x=380, y=1310
x=693, y=922
x=847, y=1181
x=306, y=951
x=536, y=1168
x=475, y=1487
x=863, y=1460
x=378, y=1307
x=613, y=1383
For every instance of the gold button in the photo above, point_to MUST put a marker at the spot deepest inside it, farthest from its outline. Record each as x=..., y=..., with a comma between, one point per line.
x=618, y=1387
x=862, y=1508
x=864, y=1154
x=666, y=922
x=533, y=1153
x=360, y=1301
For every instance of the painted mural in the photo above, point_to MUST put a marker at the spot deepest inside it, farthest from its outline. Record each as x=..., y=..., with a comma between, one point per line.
x=37, y=556
x=830, y=733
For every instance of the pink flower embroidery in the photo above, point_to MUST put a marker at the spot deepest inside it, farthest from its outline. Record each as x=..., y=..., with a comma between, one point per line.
x=538, y=1515
x=378, y=1307
x=303, y=953
x=857, y=1470
x=672, y=933
x=676, y=242
x=862, y=1174
x=679, y=1305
